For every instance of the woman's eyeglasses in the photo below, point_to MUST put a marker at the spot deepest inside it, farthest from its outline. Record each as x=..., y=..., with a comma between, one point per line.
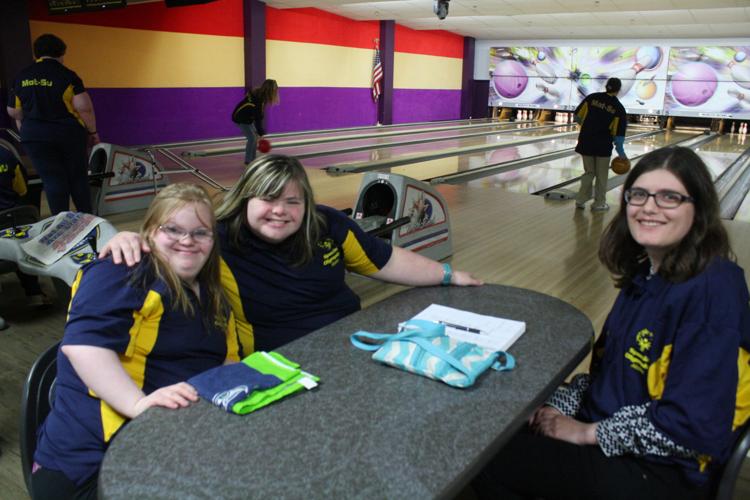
x=176, y=233
x=664, y=199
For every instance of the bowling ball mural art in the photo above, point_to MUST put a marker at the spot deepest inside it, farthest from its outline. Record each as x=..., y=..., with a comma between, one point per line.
x=694, y=84
x=642, y=71
x=509, y=78
x=699, y=81
x=709, y=81
x=529, y=76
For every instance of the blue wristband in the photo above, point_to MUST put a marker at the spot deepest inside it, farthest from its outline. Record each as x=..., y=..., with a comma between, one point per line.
x=447, y=274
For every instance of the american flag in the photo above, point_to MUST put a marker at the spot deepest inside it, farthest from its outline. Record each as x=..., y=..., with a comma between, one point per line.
x=377, y=73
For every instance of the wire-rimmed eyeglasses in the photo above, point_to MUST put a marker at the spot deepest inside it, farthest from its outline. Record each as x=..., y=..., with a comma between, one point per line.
x=664, y=199
x=176, y=233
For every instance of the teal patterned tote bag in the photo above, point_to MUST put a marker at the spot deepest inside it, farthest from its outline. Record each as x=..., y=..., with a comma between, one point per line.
x=422, y=347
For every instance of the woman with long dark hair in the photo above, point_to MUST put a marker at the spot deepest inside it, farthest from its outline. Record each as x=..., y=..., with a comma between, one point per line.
x=249, y=112
x=669, y=383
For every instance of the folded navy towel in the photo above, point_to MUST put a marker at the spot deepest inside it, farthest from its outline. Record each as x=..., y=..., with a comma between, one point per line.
x=227, y=384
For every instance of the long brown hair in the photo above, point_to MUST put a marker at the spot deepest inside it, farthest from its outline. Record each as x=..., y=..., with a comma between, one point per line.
x=266, y=177
x=169, y=200
x=267, y=93
x=706, y=239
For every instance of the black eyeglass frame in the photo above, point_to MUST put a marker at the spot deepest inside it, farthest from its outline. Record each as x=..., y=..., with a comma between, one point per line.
x=682, y=197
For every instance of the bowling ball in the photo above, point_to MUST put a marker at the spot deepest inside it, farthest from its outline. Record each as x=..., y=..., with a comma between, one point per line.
x=264, y=145
x=648, y=57
x=509, y=78
x=694, y=84
x=645, y=89
x=620, y=165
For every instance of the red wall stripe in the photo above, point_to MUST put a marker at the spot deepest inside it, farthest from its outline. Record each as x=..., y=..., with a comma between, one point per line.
x=429, y=42
x=312, y=25
x=221, y=17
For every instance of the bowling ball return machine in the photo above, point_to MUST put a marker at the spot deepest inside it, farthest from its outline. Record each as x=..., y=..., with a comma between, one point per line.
x=123, y=179
x=406, y=212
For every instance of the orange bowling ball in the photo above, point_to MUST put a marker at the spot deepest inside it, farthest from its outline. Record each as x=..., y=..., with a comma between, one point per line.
x=620, y=165
x=264, y=145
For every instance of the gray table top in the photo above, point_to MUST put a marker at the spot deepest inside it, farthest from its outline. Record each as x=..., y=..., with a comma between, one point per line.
x=367, y=430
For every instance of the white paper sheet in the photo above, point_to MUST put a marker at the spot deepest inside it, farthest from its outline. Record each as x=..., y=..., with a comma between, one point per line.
x=490, y=332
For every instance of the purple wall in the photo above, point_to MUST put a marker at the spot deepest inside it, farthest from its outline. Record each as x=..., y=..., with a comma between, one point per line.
x=130, y=117
x=419, y=105
x=315, y=108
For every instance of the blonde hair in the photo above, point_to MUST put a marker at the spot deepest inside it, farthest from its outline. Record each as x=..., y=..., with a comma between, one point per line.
x=169, y=200
x=266, y=177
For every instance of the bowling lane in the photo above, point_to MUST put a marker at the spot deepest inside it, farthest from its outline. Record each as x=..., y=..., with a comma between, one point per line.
x=340, y=152
x=545, y=175
x=225, y=169
x=395, y=152
x=236, y=144
x=717, y=154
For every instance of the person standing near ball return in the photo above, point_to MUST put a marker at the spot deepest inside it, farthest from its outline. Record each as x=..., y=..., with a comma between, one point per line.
x=248, y=115
x=603, y=123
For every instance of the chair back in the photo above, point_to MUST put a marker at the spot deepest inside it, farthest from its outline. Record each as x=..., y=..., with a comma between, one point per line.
x=731, y=471
x=36, y=402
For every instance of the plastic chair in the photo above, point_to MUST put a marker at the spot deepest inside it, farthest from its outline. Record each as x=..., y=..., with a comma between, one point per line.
x=728, y=476
x=36, y=402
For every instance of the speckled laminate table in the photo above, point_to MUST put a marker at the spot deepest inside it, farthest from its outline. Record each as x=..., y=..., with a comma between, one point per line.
x=368, y=430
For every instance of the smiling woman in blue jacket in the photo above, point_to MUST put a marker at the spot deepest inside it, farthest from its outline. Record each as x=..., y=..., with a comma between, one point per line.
x=669, y=383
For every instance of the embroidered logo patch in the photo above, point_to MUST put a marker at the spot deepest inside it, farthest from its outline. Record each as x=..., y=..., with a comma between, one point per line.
x=18, y=232
x=637, y=355
x=331, y=253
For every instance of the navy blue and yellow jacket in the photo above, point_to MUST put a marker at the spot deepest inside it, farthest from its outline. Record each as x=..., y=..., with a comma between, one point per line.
x=157, y=345
x=602, y=118
x=670, y=374
x=249, y=111
x=12, y=180
x=44, y=91
x=275, y=302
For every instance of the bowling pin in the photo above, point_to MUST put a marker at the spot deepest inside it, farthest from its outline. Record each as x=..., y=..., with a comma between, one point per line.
x=734, y=127
x=548, y=90
x=744, y=99
x=740, y=73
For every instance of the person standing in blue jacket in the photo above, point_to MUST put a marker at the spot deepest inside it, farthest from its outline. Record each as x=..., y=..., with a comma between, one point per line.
x=13, y=188
x=669, y=383
x=603, y=122
x=248, y=115
x=55, y=117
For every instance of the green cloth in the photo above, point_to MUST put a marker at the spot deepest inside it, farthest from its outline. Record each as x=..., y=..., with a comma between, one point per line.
x=272, y=363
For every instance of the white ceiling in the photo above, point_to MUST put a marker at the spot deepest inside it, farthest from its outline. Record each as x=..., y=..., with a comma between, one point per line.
x=554, y=19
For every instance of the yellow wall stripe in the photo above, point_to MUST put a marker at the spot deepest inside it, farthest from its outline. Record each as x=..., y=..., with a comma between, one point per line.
x=417, y=71
x=127, y=58
x=295, y=64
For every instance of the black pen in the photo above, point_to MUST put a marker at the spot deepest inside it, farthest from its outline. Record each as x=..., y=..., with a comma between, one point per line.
x=460, y=327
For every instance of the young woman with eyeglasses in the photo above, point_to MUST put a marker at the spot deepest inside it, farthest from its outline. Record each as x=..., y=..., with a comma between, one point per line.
x=669, y=383
x=133, y=336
